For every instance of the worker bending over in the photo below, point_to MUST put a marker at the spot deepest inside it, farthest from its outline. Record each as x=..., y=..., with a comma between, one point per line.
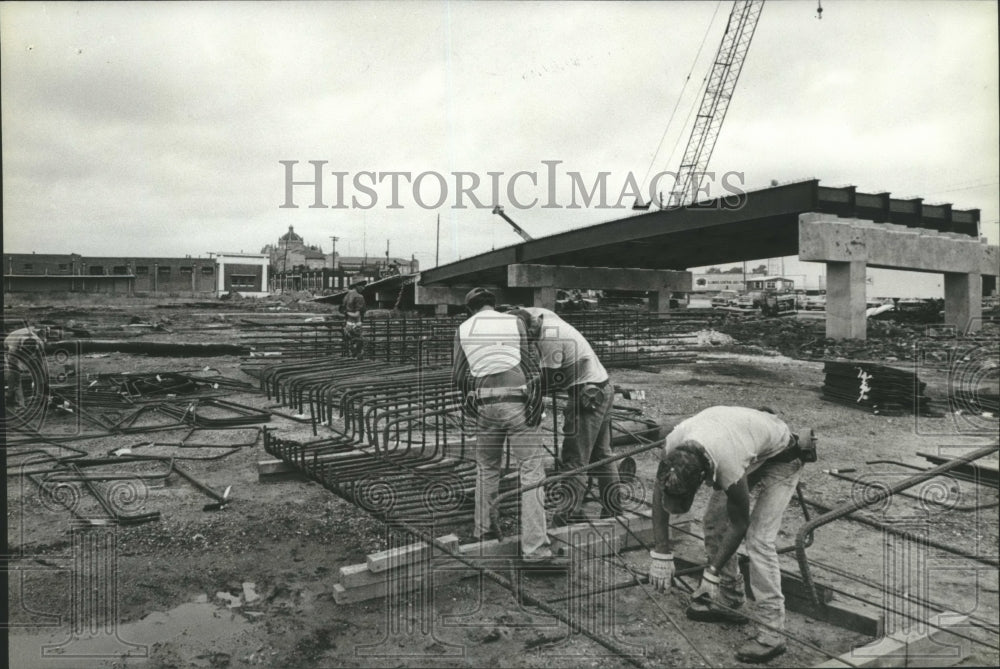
x=731, y=449
x=569, y=363
x=496, y=369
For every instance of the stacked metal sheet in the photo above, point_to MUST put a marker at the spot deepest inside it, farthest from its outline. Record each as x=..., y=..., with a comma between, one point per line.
x=875, y=388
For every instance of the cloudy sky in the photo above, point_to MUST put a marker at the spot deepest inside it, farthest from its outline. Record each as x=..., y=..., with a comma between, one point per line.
x=157, y=129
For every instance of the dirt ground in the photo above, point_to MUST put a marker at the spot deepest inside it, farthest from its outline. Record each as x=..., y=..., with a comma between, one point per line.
x=251, y=584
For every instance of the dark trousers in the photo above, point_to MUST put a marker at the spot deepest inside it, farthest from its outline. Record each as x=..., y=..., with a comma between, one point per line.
x=588, y=439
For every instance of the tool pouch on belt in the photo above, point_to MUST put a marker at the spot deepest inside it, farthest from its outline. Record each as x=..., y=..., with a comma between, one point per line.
x=803, y=448
x=807, y=446
x=592, y=397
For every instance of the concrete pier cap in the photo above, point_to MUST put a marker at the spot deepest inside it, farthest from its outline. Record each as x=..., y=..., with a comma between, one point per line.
x=536, y=285
x=850, y=246
x=544, y=280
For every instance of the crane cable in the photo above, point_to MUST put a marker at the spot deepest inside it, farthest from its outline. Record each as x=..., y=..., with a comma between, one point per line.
x=687, y=80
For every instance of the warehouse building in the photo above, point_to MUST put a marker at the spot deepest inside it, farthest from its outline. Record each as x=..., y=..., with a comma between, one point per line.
x=132, y=275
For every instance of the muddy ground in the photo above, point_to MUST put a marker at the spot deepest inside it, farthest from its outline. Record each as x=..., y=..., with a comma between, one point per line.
x=251, y=584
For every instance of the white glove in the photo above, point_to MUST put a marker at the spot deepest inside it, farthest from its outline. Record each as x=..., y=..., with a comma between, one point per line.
x=661, y=570
x=709, y=588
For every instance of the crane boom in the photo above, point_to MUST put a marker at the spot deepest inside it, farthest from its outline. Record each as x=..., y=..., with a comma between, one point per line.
x=517, y=228
x=715, y=102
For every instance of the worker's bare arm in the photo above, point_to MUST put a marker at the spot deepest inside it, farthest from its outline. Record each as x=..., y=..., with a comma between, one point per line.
x=661, y=520
x=738, y=510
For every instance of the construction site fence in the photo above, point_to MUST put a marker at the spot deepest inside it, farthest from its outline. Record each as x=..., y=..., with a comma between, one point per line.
x=619, y=338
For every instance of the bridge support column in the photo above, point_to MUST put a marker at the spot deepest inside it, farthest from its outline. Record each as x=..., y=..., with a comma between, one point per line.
x=963, y=301
x=659, y=300
x=848, y=246
x=845, y=300
x=544, y=297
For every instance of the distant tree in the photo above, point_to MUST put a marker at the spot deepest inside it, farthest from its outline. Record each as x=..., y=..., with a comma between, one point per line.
x=734, y=270
x=759, y=269
x=713, y=270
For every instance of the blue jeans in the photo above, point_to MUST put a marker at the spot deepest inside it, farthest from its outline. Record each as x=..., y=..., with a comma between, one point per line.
x=777, y=482
x=499, y=423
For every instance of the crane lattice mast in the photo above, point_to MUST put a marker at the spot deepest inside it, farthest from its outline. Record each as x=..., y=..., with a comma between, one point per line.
x=715, y=102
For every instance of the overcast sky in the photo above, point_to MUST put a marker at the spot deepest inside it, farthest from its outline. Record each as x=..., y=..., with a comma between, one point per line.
x=157, y=129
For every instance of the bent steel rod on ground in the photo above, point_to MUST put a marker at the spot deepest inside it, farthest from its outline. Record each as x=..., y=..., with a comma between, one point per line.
x=920, y=601
x=878, y=496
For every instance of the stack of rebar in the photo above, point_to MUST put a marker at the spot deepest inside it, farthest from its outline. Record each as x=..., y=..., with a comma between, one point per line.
x=397, y=440
x=620, y=338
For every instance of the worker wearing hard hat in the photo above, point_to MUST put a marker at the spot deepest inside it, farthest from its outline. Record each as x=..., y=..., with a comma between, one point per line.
x=24, y=360
x=496, y=368
x=731, y=449
x=569, y=363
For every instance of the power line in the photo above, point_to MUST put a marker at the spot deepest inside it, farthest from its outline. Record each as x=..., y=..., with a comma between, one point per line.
x=687, y=79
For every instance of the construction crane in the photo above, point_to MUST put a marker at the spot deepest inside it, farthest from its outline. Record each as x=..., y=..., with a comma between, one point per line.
x=498, y=210
x=715, y=102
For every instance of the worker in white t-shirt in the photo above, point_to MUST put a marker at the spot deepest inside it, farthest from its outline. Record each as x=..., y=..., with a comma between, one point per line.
x=731, y=449
x=496, y=369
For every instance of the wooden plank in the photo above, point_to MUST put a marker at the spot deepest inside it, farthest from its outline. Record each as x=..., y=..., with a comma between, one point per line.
x=358, y=582
x=409, y=554
x=936, y=647
x=272, y=471
x=358, y=575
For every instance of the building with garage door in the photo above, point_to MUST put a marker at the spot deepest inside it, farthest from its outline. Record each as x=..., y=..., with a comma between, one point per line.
x=244, y=273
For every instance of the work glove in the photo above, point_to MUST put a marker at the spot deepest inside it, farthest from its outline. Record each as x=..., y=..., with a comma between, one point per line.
x=709, y=588
x=661, y=570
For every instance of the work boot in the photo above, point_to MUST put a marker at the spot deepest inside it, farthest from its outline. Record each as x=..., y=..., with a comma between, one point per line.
x=710, y=612
x=544, y=560
x=755, y=652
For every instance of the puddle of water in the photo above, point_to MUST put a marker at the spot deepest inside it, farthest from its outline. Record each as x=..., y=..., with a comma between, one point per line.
x=189, y=628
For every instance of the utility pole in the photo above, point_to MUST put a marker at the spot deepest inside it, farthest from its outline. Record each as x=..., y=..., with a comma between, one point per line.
x=333, y=260
x=437, y=244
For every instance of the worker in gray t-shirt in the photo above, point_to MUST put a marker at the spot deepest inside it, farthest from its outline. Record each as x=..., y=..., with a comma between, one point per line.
x=569, y=363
